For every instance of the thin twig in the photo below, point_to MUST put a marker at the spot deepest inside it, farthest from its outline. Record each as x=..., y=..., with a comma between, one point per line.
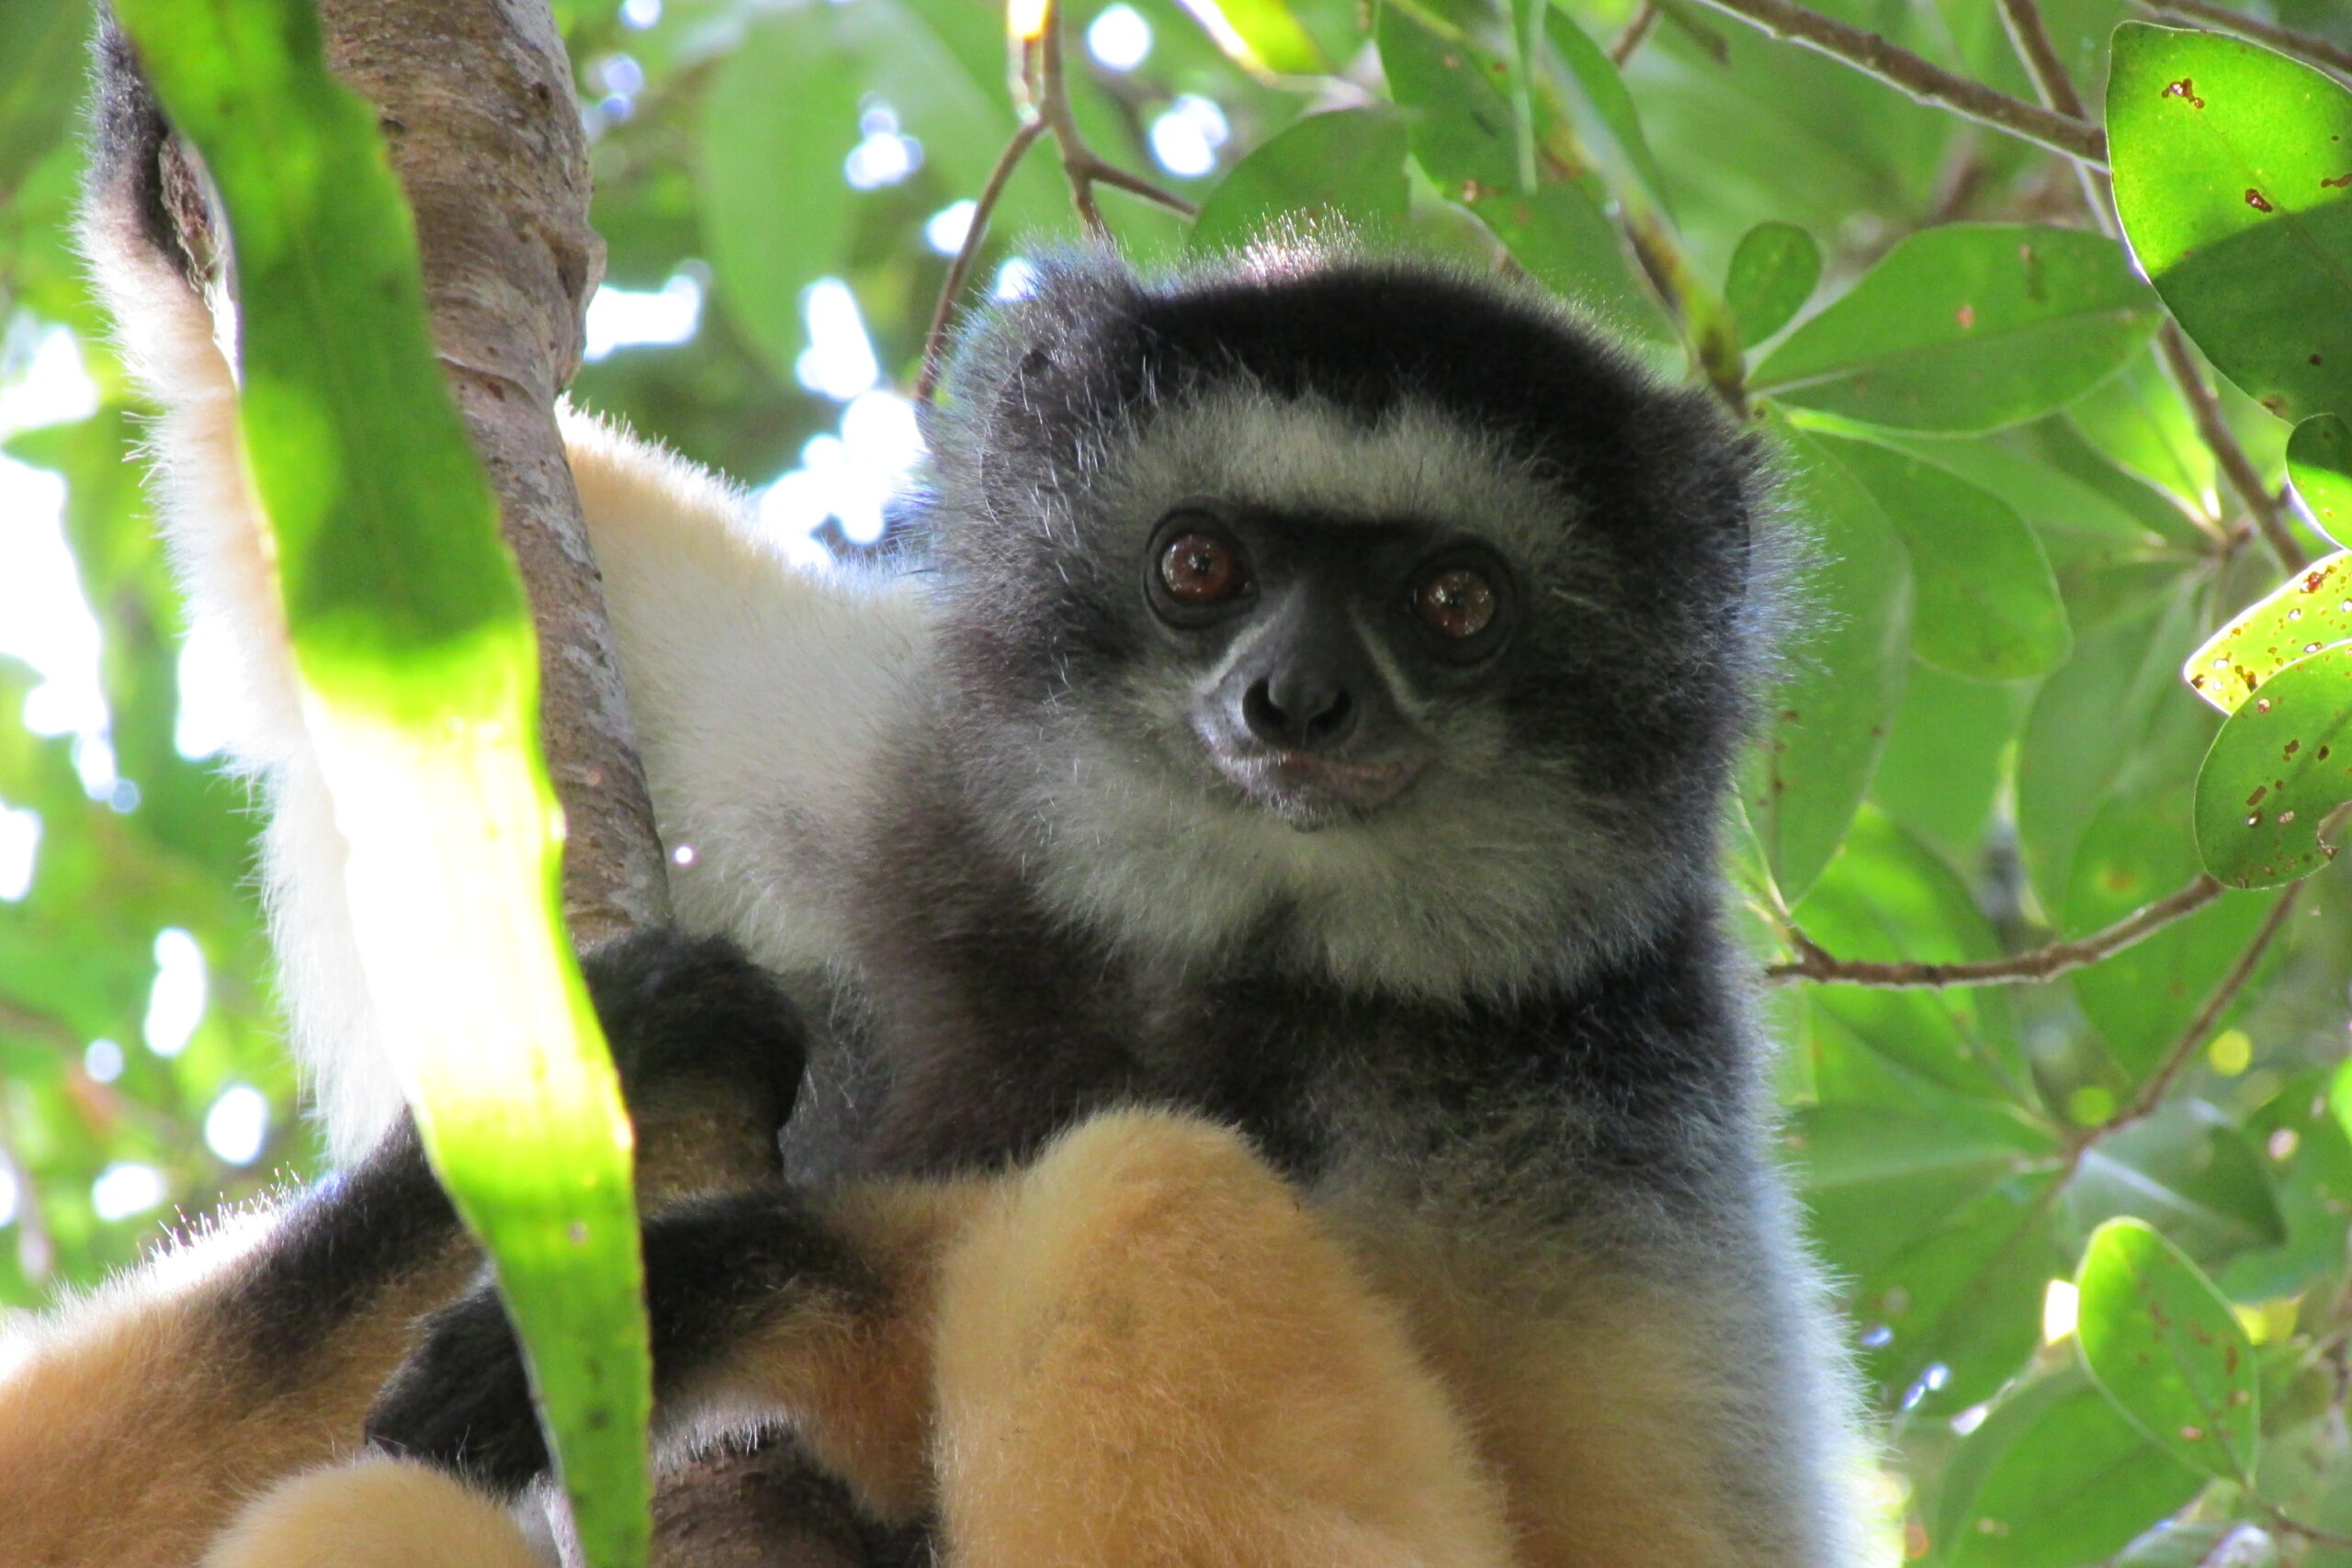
x=1083, y=166
x=2171, y=346
x=2023, y=19
x=2041, y=963
x=1921, y=78
x=2310, y=45
x=1636, y=33
x=934, y=343
x=2217, y=1002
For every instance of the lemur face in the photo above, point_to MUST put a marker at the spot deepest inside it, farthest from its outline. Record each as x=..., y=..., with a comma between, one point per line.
x=1386, y=605
x=1317, y=648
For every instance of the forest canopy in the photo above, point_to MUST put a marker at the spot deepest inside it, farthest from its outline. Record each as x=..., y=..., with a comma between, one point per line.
x=2047, y=305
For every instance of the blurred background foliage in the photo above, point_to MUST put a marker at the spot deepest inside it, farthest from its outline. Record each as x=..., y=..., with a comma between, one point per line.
x=1984, y=745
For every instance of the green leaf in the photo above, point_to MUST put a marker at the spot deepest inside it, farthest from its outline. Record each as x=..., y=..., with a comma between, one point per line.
x=1773, y=273
x=1966, y=328
x=1875, y=1180
x=2281, y=764
x=1347, y=164
x=2188, y=1170
x=2160, y=1341
x=1569, y=245
x=1965, y=1297
x=2056, y=1478
x=1460, y=122
x=1585, y=87
x=1987, y=606
x=778, y=118
x=2319, y=461
x=2311, y=1161
x=2234, y=176
x=1941, y=767
x=415, y=650
x=2308, y=614
x=1829, y=716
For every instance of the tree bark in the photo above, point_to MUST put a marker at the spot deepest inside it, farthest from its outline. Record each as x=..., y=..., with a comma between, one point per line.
x=475, y=103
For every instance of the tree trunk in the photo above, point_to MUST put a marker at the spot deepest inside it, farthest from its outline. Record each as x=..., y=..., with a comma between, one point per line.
x=475, y=103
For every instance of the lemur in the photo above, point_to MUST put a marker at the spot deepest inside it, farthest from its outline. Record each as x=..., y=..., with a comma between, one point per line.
x=1286, y=1094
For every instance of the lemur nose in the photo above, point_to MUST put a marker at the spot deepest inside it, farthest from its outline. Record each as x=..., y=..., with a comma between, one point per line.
x=1298, y=712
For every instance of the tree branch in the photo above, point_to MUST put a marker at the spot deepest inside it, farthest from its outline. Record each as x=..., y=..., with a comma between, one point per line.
x=934, y=343
x=2040, y=963
x=1636, y=33
x=2310, y=47
x=475, y=103
x=1922, y=78
x=1049, y=91
x=2214, y=427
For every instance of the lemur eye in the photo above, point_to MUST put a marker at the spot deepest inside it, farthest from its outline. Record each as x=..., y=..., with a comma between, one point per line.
x=1200, y=568
x=1455, y=602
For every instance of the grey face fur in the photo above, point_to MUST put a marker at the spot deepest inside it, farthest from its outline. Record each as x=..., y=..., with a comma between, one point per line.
x=1481, y=825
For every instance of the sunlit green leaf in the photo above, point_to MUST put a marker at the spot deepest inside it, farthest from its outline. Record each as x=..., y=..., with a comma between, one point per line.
x=2234, y=179
x=2309, y=612
x=2281, y=764
x=1773, y=273
x=1968, y=327
x=1987, y=605
x=1347, y=165
x=1941, y=767
x=1829, y=716
x=2160, y=1341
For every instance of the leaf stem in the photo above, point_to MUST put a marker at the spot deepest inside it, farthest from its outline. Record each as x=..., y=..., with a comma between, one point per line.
x=1921, y=78
x=2208, y=1013
x=1812, y=963
x=934, y=343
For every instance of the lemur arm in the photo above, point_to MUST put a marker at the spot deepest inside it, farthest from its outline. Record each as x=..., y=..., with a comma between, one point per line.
x=133, y=1424
x=1141, y=1349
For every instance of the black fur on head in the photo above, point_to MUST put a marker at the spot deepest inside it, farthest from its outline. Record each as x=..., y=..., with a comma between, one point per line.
x=1586, y=769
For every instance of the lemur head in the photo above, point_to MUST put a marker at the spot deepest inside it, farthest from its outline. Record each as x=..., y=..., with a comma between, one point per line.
x=1353, y=610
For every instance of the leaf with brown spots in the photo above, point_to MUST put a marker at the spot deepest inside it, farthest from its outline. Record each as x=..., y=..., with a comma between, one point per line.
x=2160, y=1341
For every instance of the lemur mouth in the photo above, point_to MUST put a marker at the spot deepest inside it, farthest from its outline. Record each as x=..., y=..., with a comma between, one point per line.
x=1308, y=791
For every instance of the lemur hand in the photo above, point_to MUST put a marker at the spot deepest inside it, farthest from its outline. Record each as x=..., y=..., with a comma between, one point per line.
x=710, y=1052
x=717, y=1270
